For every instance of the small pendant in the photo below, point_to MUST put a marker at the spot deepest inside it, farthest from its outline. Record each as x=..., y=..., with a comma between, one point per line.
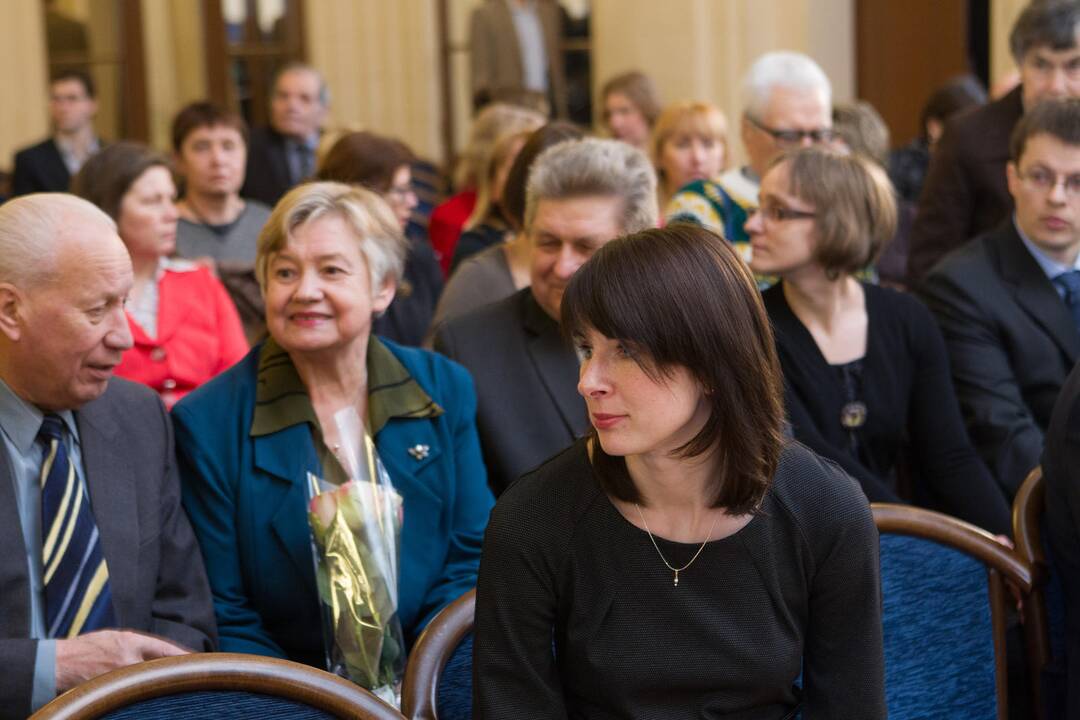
x=676, y=579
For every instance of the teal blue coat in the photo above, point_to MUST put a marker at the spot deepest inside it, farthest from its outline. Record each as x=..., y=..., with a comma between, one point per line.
x=247, y=500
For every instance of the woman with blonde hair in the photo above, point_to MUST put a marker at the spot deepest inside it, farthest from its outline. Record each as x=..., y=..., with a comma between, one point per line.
x=489, y=225
x=490, y=124
x=867, y=380
x=631, y=107
x=689, y=142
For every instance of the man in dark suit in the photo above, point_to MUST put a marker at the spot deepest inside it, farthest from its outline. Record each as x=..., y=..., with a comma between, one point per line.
x=515, y=47
x=283, y=155
x=581, y=194
x=49, y=165
x=965, y=192
x=98, y=566
x=1009, y=301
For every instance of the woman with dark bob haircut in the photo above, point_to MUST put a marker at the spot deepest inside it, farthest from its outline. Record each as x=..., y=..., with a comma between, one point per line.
x=683, y=559
x=865, y=368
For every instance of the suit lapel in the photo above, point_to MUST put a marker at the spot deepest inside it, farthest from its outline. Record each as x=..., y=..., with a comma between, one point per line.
x=555, y=364
x=511, y=52
x=112, y=483
x=1034, y=292
x=287, y=456
x=14, y=574
x=57, y=171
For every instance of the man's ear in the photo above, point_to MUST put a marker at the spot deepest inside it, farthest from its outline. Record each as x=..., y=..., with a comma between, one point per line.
x=11, y=311
x=1012, y=178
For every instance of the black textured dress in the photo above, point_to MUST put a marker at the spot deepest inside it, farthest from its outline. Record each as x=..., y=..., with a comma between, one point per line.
x=577, y=616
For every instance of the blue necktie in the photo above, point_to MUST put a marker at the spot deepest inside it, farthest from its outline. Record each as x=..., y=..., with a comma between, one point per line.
x=77, y=595
x=1069, y=281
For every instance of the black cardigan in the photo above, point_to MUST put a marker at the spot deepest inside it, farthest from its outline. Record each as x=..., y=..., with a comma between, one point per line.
x=912, y=409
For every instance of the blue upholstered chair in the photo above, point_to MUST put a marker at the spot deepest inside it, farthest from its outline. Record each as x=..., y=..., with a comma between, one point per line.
x=438, y=678
x=208, y=685
x=943, y=615
x=1044, y=608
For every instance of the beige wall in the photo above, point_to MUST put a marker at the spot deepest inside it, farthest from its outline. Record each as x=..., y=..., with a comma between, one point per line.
x=1003, y=14
x=380, y=60
x=23, y=115
x=699, y=49
x=175, y=62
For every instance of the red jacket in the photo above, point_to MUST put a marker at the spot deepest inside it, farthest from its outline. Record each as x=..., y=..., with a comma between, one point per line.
x=446, y=223
x=199, y=334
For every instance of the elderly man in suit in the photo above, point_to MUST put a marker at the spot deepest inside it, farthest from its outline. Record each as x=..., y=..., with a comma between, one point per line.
x=49, y=165
x=99, y=568
x=1009, y=301
x=515, y=46
x=283, y=154
x=580, y=195
x=965, y=193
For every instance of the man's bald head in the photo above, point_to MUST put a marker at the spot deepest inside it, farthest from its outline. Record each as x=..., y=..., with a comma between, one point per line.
x=36, y=229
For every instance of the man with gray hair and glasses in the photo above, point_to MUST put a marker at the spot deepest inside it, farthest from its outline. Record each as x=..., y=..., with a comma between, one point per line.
x=99, y=568
x=965, y=193
x=787, y=103
x=580, y=195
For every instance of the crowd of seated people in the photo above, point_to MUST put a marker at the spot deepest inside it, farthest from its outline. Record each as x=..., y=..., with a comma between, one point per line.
x=617, y=382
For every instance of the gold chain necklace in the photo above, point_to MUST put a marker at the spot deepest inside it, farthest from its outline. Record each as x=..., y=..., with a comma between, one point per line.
x=664, y=559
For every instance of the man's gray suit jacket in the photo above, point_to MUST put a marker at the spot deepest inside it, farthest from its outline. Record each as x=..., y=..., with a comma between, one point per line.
x=526, y=378
x=156, y=572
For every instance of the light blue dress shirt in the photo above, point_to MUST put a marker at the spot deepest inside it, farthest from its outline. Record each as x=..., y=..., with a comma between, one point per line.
x=19, y=424
x=1052, y=268
x=530, y=35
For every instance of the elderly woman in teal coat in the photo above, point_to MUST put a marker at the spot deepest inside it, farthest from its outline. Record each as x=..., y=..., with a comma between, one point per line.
x=329, y=259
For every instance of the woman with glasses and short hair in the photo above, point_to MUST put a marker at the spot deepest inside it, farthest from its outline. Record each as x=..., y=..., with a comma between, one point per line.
x=683, y=559
x=382, y=164
x=866, y=373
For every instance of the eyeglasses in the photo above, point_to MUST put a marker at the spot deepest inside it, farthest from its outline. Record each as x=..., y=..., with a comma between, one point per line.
x=779, y=213
x=793, y=137
x=1042, y=180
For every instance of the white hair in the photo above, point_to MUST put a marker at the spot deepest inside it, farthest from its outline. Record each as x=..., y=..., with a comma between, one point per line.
x=581, y=168
x=30, y=229
x=375, y=229
x=784, y=69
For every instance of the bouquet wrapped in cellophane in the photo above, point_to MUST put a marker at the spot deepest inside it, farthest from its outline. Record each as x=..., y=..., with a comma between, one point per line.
x=356, y=532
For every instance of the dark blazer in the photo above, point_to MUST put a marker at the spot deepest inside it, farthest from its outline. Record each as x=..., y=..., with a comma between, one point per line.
x=247, y=497
x=267, y=177
x=912, y=421
x=1060, y=465
x=526, y=383
x=965, y=193
x=39, y=168
x=1011, y=342
x=155, y=574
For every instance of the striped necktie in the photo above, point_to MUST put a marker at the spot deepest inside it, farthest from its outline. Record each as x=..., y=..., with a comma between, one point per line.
x=77, y=596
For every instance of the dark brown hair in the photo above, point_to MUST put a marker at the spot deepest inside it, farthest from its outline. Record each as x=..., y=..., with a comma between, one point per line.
x=1049, y=23
x=364, y=158
x=107, y=176
x=78, y=76
x=204, y=114
x=1058, y=118
x=513, y=199
x=680, y=296
x=854, y=202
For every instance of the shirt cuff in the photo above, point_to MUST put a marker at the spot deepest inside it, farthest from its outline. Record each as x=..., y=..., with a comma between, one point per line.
x=44, y=674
